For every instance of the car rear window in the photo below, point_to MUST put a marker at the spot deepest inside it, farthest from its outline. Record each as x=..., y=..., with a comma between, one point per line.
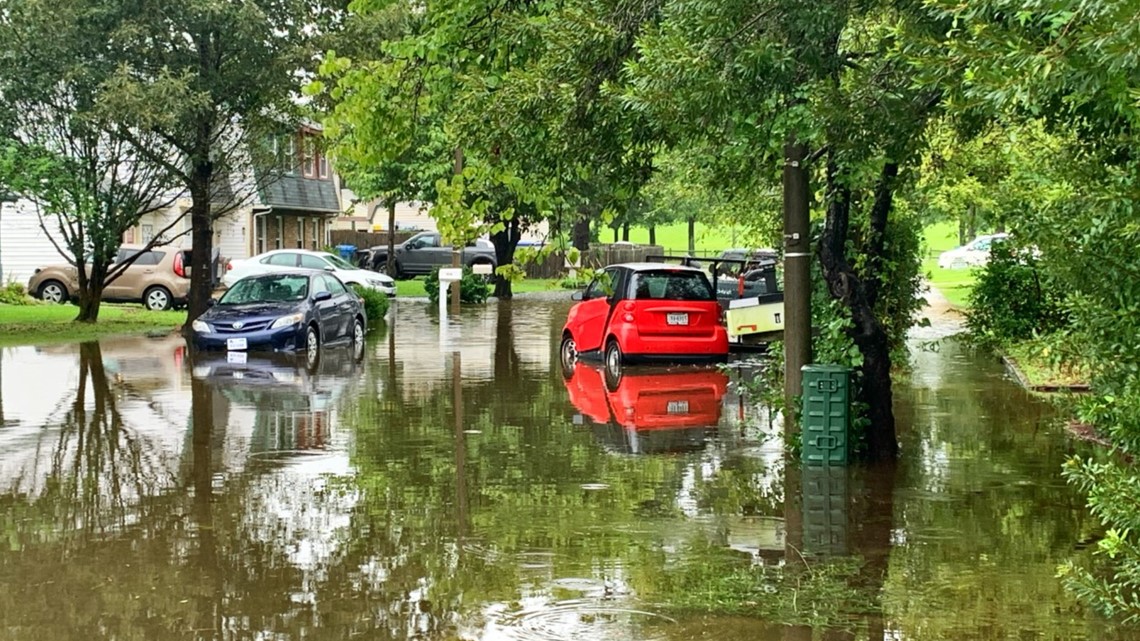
x=144, y=258
x=671, y=285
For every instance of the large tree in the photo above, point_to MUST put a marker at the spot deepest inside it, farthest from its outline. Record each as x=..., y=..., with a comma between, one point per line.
x=88, y=181
x=214, y=81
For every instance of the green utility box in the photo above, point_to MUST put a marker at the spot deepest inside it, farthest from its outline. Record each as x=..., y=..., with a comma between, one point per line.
x=826, y=410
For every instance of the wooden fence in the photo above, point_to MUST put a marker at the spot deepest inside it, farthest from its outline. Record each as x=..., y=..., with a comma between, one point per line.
x=596, y=257
x=366, y=239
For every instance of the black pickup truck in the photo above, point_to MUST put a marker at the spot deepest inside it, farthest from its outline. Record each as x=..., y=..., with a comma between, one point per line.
x=423, y=252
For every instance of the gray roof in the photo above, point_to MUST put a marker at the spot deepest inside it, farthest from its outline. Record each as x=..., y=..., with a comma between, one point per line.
x=291, y=191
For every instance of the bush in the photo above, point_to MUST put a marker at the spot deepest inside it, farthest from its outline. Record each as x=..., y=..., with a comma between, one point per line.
x=472, y=289
x=375, y=304
x=1013, y=299
x=15, y=294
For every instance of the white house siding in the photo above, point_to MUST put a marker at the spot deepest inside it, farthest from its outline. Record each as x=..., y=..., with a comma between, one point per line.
x=23, y=244
x=232, y=235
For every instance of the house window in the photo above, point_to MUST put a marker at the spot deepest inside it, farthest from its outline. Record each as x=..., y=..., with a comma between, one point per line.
x=300, y=232
x=280, y=232
x=259, y=231
x=285, y=153
x=316, y=227
x=147, y=233
x=322, y=165
x=308, y=156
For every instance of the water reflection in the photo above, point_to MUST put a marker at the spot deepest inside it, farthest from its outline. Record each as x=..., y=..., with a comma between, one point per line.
x=442, y=488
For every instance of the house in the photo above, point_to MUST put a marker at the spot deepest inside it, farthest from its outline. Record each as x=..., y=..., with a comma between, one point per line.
x=24, y=245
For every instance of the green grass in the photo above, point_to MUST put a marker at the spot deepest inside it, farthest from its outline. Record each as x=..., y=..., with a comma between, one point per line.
x=38, y=324
x=675, y=237
x=955, y=284
x=1031, y=358
x=415, y=288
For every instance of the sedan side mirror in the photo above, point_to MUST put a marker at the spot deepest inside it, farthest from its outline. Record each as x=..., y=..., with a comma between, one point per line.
x=330, y=268
x=322, y=296
x=211, y=302
x=578, y=296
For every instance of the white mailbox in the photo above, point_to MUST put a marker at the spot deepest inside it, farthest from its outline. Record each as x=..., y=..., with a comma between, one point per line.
x=483, y=269
x=451, y=274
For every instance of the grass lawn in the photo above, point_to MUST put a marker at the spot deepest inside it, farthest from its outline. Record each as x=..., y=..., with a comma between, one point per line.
x=955, y=284
x=675, y=237
x=1028, y=357
x=415, y=288
x=37, y=324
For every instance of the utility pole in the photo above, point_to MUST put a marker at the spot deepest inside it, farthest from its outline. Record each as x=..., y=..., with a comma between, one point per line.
x=797, y=275
x=456, y=248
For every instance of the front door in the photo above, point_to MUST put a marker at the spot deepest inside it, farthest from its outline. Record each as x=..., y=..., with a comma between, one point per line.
x=343, y=301
x=328, y=314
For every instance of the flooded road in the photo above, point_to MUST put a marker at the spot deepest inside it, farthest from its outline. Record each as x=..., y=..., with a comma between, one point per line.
x=454, y=484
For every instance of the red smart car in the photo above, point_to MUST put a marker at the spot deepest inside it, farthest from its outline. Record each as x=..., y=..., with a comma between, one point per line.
x=638, y=312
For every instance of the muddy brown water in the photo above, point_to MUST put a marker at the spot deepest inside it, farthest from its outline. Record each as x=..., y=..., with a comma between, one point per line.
x=453, y=484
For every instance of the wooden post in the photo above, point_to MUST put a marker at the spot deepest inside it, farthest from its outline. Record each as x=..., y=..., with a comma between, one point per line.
x=797, y=276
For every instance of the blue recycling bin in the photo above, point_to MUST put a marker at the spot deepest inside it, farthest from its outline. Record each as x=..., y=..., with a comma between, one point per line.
x=347, y=252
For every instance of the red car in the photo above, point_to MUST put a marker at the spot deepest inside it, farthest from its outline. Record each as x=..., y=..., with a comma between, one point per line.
x=638, y=312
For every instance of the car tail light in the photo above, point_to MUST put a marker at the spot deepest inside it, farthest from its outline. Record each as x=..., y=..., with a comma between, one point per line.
x=629, y=306
x=180, y=264
x=628, y=317
x=229, y=265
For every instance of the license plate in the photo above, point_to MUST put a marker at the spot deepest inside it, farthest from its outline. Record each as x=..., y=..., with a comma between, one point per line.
x=236, y=343
x=677, y=407
x=677, y=319
x=236, y=357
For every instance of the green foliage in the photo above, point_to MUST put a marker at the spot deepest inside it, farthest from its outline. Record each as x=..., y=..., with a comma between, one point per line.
x=376, y=305
x=15, y=294
x=581, y=279
x=1013, y=299
x=472, y=289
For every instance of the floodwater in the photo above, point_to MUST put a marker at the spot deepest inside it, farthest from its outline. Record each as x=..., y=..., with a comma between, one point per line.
x=452, y=484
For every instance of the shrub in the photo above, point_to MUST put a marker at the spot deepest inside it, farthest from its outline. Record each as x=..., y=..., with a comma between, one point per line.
x=375, y=304
x=1013, y=299
x=15, y=294
x=472, y=289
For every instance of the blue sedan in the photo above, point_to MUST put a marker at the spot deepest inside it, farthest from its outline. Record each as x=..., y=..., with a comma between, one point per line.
x=282, y=311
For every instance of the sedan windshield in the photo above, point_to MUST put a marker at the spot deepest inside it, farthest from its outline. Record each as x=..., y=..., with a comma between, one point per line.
x=274, y=288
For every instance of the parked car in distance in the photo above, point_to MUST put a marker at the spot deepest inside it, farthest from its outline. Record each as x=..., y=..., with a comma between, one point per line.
x=973, y=254
x=637, y=312
x=159, y=278
x=282, y=311
x=282, y=260
x=425, y=251
x=744, y=260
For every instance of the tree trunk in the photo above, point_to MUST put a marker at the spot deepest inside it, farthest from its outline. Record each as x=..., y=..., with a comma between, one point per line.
x=692, y=236
x=625, y=232
x=505, y=241
x=972, y=223
x=868, y=333
x=91, y=292
x=580, y=234
x=202, y=241
x=615, y=233
x=652, y=234
x=390, y=268
x=797, y=273
x=961, y=231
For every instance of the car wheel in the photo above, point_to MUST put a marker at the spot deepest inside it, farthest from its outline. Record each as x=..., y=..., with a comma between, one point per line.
x=53, y=291
x=614, y=358
x=568, y=355
x=358, y=339
x=312, y=347
x=158, y=299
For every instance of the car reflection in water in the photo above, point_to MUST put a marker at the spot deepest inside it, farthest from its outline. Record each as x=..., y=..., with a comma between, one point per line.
x=649, y=410
x=293, y=397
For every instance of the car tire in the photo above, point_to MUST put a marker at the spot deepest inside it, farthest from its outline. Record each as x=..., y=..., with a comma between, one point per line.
x=358, y=339
x=53, y=291
x=158, y=299
x=312, y=347
x=568, y=355
x=614, y=358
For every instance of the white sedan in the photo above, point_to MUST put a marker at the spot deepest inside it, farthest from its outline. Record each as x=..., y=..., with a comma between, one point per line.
x=975, y=253
x=287, y=259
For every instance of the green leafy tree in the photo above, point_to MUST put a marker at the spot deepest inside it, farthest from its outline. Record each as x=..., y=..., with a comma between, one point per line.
x=88, y=181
